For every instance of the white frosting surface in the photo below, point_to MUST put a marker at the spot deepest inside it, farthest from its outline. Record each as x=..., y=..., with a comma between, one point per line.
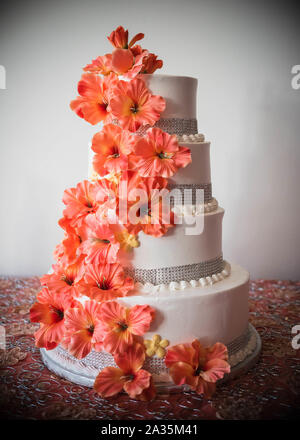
x=199, y=170
x=216, y=313
x=180, y=93
x=176, y=248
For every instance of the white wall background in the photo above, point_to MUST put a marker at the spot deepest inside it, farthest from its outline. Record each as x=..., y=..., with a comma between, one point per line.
x=242, y=53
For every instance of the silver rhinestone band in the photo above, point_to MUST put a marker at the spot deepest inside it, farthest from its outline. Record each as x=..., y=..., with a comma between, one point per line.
x=96, y=361
x=188, y=193
x=188, y=272
x=178, y=126
x=171, y=126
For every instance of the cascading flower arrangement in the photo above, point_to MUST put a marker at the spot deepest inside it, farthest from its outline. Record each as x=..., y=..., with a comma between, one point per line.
x=127, y=150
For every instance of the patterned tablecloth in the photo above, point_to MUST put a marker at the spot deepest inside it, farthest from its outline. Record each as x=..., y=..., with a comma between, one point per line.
x=271, y=390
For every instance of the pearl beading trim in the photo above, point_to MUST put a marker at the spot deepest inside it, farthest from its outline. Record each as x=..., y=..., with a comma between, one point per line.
x=191, y=138
x=194, y=210
x=174, y=286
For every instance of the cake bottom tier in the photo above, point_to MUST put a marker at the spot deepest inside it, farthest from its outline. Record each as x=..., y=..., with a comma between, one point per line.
x=217, y=313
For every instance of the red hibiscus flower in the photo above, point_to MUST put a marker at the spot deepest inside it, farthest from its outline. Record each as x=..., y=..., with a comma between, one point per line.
x=64, y=279
x=50, y=310
x=121, y=324
x=83, y=329
x=105, y=282
x=196, y=366
x=101, y=245
x=150, y=213
x=158, y=154
x=133, y=105
x=112, y=146
x=130, y=376
x=94, y=91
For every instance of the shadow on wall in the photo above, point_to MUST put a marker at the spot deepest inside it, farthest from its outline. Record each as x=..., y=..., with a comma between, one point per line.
x=270, y=211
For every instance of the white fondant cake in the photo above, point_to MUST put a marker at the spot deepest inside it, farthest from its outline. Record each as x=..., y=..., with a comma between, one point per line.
x=179, y=92
x=194, y=292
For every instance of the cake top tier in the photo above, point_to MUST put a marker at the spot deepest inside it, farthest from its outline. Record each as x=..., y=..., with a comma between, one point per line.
x=180, y=93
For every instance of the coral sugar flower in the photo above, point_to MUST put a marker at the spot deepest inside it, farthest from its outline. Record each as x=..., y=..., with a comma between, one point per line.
x=196, y=366
x=66, y=251
x=119, y=38
x=101, y=245
x=122, y=324
x=50, y=310
x=130, y=376
x=158, y=154
x=150, y=214
x=104, y=282
x=112, y=146
x=81, y=201
x=64, y=279
x=133, y=105
x=83, y=329
x=94, y=91
x=151, y=63
x=101, y=65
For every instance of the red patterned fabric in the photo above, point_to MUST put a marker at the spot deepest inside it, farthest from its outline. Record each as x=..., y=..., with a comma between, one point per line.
x=270, y=390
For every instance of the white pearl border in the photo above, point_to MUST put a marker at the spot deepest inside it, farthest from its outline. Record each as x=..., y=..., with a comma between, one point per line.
x=194, y=210
x=182, y=285
x=191, y=138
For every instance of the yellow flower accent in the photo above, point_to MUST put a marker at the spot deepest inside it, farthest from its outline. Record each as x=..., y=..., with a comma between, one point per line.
x=114, y=177
x=94, y=176
x=127, y=241
x=156, y=346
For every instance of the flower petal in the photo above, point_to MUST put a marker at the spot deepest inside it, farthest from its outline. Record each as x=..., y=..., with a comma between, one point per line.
x=140, y=382
x=205, y=388
x=140, y=318
x=149, y=393
x=215, y=370
x=132, y=360
x=183, y=373
x=181, y=353
x=109, y=382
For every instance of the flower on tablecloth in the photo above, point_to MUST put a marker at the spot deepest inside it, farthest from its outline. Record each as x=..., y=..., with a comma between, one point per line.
x=197, y=366
x=130, y=376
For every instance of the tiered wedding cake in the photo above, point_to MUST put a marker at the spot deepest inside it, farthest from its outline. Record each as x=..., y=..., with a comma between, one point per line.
x=179, y=276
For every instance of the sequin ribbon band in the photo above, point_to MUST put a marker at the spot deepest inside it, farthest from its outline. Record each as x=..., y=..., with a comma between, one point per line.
x=188, y=272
